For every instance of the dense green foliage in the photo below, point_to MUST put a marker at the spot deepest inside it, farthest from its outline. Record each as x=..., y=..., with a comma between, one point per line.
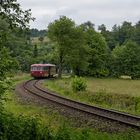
x=28, y=128
x=13, y=13
x=13, y=22
x=10, y=21
x=123, y=40
x=80, y=48
x=37, y=33
x=19, y=47
x=88, y=52
x=78, y=84
x=62, y=32
x=127, y=60
x=98, y=53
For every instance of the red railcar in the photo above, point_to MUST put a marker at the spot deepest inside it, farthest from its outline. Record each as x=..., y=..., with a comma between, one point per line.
x=43, y=70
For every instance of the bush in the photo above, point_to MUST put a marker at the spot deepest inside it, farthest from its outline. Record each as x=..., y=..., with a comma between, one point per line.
x=22, y=128
x=79, y=84
x=31, y=128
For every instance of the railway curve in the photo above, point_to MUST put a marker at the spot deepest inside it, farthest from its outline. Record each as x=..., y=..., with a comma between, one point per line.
x=33, y=87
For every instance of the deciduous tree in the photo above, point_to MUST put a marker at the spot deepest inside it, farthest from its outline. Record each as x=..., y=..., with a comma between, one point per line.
x=127, y=60
x=60, y=31
x=12, y=14
x=98, y=53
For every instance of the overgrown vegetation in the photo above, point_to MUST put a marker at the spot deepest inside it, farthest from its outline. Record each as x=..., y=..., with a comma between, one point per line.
x=30, y=128
x=27, y=121
x=98, y=93
x=78, y=84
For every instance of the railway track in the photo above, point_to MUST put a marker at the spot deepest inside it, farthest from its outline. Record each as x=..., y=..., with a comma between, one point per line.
x=33, y=87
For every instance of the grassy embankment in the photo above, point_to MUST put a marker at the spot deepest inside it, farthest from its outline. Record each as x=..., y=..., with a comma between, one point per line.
x=55, y=122
x=17, y=107
x=119, y=94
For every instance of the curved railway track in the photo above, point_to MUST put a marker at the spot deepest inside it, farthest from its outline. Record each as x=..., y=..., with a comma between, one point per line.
x=32, y=86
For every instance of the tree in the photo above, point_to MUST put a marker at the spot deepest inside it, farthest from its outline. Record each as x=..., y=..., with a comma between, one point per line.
x=127, y=60
x=37, y=33
x=35, y=52
x=15, y=16
x=123, y=33
x=60, y=31
x=126, y=32
x=136, y=36
x=77, y=57
x=11, y=13
x=88, y=24
x=116, y=67
x=108, y=35
x=16, y=43
x=102, y=28
x=98, y=53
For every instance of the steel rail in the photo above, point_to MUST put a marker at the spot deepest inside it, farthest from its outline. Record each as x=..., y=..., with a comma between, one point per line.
x=117, y=116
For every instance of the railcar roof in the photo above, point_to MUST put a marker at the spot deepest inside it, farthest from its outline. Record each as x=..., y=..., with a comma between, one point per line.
x=43, y=65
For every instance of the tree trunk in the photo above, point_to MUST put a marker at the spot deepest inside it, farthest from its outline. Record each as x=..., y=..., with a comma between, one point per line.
x=60, y=66
x=60, y=71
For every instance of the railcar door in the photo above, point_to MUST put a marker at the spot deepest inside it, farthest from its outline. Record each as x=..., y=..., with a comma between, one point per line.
x=46, y=71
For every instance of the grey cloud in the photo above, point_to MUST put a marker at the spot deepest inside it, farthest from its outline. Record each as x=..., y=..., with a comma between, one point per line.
x=66, y=11
x=108, y=12
x=40, y=3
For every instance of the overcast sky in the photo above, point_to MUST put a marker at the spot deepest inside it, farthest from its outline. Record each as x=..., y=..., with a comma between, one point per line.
x=108, y=12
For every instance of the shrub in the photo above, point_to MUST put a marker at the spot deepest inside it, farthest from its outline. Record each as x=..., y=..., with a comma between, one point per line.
x=79, y=84
x=22, y=128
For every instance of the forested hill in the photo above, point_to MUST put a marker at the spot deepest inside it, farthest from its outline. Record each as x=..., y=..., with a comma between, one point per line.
x=38, y=33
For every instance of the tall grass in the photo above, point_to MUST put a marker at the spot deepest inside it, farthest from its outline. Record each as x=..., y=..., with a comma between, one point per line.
x=100, y=95
x=28, y=128
x=27, y=122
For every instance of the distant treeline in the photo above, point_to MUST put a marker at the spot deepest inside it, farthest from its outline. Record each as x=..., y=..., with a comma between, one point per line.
x=37, y=33
x=120, y=34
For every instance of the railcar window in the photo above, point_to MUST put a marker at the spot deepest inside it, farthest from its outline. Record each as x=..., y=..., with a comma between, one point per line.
x=33, y=68
x=39, y=68
x=46, y=68
x=36, y=68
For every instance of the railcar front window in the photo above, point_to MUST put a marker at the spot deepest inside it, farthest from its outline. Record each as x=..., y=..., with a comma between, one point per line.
x=46, y=68
x=37, y=68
